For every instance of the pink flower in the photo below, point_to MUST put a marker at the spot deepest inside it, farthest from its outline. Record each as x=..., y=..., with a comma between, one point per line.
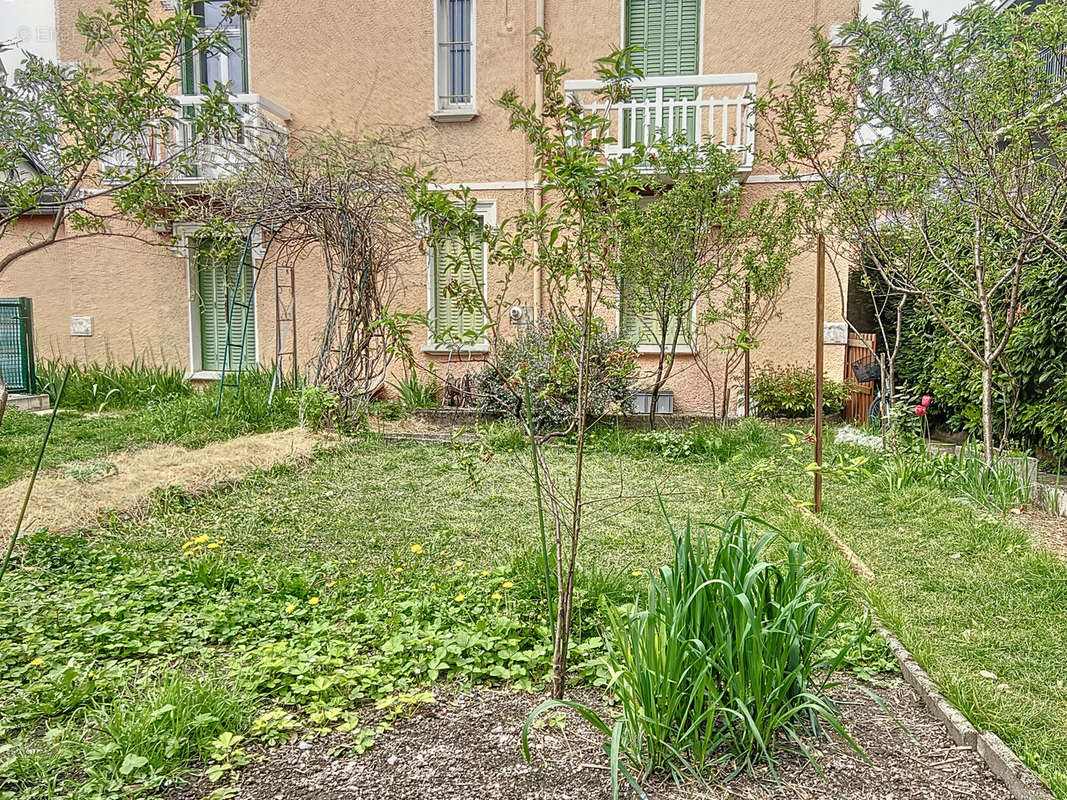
x=927, y=399
x=920, y=411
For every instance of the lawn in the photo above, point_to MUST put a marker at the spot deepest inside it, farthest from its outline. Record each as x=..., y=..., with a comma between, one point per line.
x=184, y=419
x=136, y=651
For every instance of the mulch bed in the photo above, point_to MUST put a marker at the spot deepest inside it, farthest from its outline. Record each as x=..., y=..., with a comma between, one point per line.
x=1050, y=531
x=466, y=747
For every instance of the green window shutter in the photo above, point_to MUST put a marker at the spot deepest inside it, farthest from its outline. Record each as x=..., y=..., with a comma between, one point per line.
x=453, y=323
x=668, y=31
x=643, y=327
x=216, y=284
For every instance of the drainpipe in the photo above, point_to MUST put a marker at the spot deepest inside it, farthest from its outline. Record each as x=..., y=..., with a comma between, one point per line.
x=538, y=198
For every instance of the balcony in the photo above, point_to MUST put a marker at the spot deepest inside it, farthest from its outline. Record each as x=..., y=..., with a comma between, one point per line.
x=715, y=108
x=173, y=142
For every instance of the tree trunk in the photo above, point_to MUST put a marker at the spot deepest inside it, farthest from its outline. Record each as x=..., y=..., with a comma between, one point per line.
x=987, y=413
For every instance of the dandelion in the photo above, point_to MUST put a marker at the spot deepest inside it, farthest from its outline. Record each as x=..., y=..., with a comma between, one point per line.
x=416, y=549
x=37, y=662
x=458, y=564
x=314, y=601
x=636, y=573
x=507, y=584
x=201, y=538
x=496, y=595
x=90, y=674
x=398, y=570
x=330, y=584
x=485, y=573
x=212, y=546
x=289, y=609
x=460, y=598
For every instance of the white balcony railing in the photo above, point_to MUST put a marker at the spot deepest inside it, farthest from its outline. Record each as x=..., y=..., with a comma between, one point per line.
x=194, y=159
x=715, y=108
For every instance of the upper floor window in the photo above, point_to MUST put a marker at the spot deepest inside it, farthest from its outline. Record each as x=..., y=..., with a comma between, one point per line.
x=455, y=61
x=226, y=64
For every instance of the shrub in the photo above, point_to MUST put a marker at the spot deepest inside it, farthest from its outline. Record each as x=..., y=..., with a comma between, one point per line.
x=417, y=393
x=722, y=658
x=546, y=359
x=790, y=392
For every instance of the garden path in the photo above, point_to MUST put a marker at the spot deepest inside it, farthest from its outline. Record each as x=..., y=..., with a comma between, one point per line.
x=124, y=482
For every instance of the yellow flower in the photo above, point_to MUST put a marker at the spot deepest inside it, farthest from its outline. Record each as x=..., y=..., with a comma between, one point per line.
x=91, y=674
x=496, y=595
x=37, y=662
x=212, y=546
x=460, y=598
x=201, y=538
x=398, y=570
x=330, y=584
x=458, y=564
x=485, y=573
x=314, y=601
x=507, y=584
x=637, y=573
x=416, y=548
x=289, y=609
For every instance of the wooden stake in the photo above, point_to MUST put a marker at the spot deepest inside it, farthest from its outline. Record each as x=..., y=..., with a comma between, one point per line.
x=748, y=346
x=820, y=294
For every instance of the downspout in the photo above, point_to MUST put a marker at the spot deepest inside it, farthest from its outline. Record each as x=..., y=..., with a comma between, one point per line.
x=538, y=198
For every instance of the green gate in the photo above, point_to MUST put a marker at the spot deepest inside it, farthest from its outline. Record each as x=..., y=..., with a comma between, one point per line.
x=16, y=344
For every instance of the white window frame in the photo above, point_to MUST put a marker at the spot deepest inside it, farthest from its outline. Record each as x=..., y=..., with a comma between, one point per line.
x=443, y=112
x=185, y=236
x=486, y=209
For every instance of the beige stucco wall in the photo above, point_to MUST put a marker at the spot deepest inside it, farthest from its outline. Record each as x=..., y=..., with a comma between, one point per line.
x=354, y=67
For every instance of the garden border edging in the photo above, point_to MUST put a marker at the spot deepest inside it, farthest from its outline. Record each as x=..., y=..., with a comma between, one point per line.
x=1022, y=782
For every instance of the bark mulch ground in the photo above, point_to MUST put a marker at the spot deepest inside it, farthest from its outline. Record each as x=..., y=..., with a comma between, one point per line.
x=1050, y=531
x=466, y=747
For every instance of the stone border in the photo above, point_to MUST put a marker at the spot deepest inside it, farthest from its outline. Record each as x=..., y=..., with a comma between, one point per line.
x=1022, y=782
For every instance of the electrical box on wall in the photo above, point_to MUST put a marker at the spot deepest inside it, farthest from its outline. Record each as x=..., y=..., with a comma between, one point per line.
x=520, y=315
x=81, y=326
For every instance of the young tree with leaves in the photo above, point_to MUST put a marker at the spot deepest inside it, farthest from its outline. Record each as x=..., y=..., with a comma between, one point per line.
x=937, y=149
x=689, y=249
x=572, y=241
x=92, y=131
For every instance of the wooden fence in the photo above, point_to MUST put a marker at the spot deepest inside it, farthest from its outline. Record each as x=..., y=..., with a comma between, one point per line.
x=859, y=352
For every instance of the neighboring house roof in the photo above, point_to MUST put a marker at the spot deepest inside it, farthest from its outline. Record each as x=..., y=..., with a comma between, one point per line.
x=27, y=167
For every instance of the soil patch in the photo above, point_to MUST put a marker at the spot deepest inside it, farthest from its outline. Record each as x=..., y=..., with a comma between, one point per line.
x=466, y=747
x=1049, y=530
x=61, y=502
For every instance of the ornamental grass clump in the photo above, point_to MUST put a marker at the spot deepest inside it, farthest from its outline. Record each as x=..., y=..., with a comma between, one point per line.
x=721, y=666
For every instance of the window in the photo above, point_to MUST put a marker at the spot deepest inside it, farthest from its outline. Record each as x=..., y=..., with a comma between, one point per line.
x=454, y=57
x=223, y=286
x=668, y=33
x=642, y=328
x=227, y=65
x=456, y=292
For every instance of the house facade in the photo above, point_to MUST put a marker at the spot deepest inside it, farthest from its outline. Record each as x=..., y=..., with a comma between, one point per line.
x=438, y=65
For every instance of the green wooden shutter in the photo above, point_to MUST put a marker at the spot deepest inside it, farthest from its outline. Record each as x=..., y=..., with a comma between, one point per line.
x=642, y=327
x=668, y=31
x=452, y=322
x=216, y=284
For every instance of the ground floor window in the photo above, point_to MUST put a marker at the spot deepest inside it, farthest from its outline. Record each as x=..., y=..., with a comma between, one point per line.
x=456, y=293
x=642, y=327
x=223, y=288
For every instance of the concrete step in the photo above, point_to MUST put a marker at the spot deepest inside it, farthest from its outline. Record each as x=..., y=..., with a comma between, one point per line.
x=29, y=402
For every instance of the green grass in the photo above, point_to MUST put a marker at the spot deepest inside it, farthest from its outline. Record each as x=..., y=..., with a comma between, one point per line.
x=313, y=599
x=185, y=419
x=109, y=387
